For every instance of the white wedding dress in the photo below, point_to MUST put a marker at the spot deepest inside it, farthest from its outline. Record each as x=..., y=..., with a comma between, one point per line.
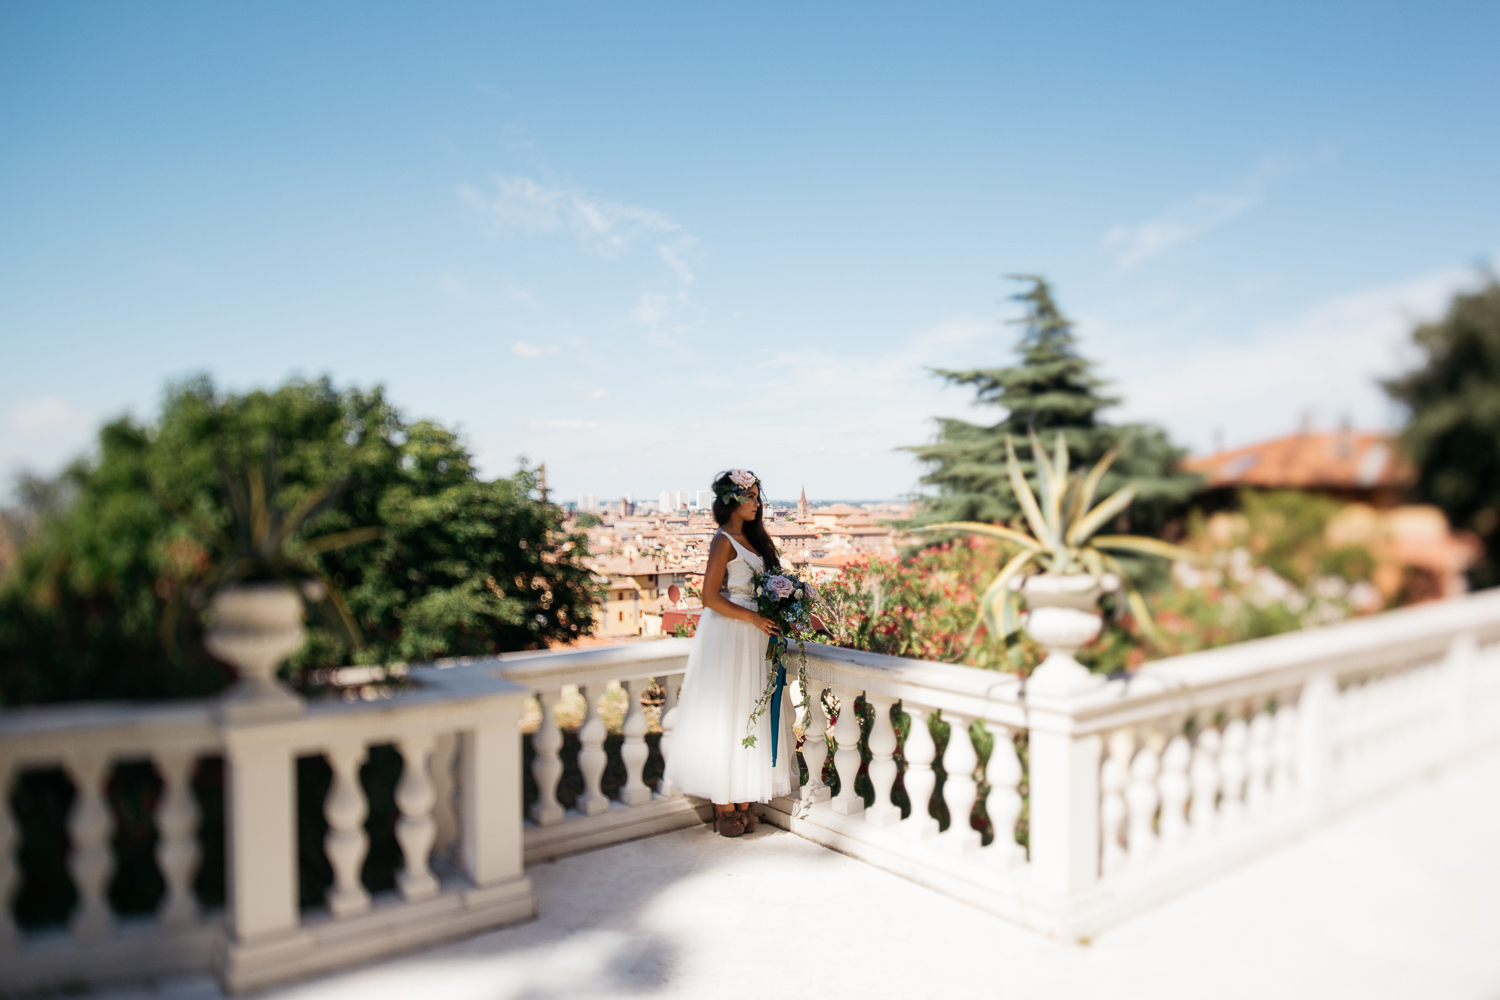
x=726, y=673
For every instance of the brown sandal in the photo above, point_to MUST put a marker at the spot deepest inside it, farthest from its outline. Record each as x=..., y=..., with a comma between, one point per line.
x=730, y=824
x=751, y=820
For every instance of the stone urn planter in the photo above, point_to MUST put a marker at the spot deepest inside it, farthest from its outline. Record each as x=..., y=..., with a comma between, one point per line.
x=1063, y=615
x=254, y=627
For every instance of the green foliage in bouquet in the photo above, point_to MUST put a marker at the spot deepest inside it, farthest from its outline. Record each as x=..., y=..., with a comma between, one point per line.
x=1063, y=537
x=787, y=600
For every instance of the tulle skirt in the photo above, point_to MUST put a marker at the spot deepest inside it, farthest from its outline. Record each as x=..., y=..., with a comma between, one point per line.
x=726, y=673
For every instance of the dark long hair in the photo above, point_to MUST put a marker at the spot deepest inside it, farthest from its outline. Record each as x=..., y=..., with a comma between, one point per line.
x=755, y=531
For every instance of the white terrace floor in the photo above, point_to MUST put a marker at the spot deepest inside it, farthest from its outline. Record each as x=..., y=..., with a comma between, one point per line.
x=1401, y=899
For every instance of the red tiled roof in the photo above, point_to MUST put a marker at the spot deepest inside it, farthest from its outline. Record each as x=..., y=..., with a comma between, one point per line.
x=1336, y=460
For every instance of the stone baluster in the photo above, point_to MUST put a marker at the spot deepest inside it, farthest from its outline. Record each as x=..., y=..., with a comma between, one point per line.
x=1114, y=777
x=1175, y=786
x=1258, y=762
x=669, y=685
x=90, y=861
x=444, y=789
x=1284, y=754
x=920, y=778
x=846, y=758
x=9, y=873
x=546, y=765
x=815, y=746
x=346, y=842
x=1205, y=775
x=1003, y=775
x=1141, y=800
x=415, y=830
x=633, y=752
x=1232, y=771
x=591, y=757
x=177, y=843
x=882, y=768
x=960, y=789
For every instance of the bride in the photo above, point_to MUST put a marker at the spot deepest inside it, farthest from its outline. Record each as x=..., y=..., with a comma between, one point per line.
x=726, y=671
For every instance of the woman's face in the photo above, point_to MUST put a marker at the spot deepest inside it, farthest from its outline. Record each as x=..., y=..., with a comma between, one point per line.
x=750, y=504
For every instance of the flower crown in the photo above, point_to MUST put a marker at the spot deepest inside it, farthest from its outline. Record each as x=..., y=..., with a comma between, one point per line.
x=737, y=490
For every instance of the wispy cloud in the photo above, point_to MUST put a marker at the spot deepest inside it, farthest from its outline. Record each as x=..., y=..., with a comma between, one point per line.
x=1191, y=218
x=599, y=394
x=1325, y=362
x=522, y=205
x=525, y=350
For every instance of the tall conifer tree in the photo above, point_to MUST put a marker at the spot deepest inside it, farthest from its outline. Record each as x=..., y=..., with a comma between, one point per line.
x=1052, y=389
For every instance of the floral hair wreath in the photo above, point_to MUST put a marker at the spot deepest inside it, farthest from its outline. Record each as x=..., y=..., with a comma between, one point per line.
x=737, y=490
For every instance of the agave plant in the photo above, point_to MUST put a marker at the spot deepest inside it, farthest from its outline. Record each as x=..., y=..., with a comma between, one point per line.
x=264, y=543
x=1062, y=537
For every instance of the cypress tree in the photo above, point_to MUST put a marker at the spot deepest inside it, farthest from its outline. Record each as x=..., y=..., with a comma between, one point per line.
x=1052, y=389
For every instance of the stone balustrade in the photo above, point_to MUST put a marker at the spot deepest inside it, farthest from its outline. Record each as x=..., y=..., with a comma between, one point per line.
x=458, y=801
x=1066, y=814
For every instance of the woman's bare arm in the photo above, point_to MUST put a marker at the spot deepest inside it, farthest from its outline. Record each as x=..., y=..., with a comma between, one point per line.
x=719, y=553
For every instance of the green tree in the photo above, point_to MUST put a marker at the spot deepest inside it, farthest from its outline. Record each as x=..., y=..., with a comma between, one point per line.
x=105, y=598
x=1052, y=389
x=1453, y=426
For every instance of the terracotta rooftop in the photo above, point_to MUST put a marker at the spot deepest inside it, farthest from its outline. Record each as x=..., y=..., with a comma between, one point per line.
x=1347, y=460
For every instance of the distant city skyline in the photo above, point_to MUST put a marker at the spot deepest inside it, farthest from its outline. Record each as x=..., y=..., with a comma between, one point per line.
x=646, y=244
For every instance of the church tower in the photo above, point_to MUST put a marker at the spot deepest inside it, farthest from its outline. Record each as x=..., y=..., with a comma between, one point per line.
x=802, y=513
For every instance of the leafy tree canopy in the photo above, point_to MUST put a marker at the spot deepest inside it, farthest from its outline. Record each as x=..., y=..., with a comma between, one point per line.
x=1052, y=389
x=105, y=597
x=1453, y=430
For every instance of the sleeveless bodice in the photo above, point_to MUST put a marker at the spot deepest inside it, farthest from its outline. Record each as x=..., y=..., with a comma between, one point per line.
x=739, y=587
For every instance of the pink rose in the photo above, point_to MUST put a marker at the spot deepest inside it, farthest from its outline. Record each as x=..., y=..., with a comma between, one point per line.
x=741, y=478
x=780, y=586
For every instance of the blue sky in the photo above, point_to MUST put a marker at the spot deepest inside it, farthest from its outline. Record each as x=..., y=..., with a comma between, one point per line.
x=647, y=242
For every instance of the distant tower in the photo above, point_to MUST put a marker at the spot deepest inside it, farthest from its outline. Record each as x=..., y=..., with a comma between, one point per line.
x=802, y=506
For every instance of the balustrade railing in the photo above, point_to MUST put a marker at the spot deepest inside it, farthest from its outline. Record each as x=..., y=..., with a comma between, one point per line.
x=1065, y=814
x=457, y=824
x=630, y=673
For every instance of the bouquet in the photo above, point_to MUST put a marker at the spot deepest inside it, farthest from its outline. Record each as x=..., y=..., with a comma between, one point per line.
x=786, y=599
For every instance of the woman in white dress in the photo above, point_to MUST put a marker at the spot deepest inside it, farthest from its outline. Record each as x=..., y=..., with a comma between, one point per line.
x=727, y=671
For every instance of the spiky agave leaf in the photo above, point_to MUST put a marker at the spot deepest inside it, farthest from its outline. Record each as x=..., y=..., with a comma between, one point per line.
x=342, y=539
x=1084, y=498
x=1027, y=499
x=1134, y=599
x=313, y=502
x=997, y=607
x=980, y=528
x=1061, y=461
x=1146, y=547
x=1100, y=515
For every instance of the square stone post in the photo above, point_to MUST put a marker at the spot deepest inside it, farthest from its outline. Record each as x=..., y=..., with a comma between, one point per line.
x=262, y=926
x=491, y=811
x=1064, y=789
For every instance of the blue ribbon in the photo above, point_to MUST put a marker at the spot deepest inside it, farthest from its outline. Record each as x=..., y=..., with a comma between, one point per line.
x=776, y=710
